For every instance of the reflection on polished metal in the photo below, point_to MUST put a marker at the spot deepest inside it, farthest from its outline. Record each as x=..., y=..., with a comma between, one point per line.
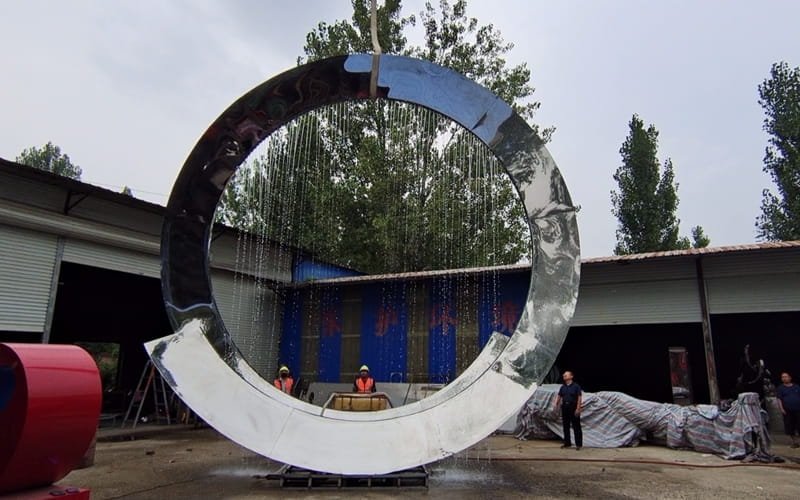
x=50, y=400
x=206, y=369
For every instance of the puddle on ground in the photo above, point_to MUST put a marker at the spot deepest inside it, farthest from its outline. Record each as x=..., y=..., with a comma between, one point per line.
x=239, y=471
x=461, y=472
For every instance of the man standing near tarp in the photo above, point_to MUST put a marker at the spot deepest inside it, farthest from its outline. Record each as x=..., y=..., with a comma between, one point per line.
x=789, y=402
x=570, y=400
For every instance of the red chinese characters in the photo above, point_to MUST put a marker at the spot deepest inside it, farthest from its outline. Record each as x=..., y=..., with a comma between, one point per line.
x=385, y=319
x=443, y=316
x=329, y=323
x=506, y=316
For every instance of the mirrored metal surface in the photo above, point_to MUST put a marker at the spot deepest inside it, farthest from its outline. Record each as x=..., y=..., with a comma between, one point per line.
x=205, y=368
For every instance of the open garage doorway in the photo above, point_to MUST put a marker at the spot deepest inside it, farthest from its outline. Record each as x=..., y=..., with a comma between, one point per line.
x=771, y=336
x=112, y=313
x=634, y=359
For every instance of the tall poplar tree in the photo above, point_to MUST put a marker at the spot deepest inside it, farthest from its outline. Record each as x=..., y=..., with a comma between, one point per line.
x=646, y=200
x=780, y=98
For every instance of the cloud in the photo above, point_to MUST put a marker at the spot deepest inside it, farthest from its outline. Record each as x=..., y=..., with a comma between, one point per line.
x=126, y=88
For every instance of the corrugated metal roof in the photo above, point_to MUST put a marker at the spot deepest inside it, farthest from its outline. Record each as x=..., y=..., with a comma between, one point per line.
x=107, y=194
x=770, y=245
x=414, y=275
x=76, y=186
x=79, y=187
x=650, y=256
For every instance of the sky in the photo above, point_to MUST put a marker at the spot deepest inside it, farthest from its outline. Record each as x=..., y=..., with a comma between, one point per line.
x=126, y=88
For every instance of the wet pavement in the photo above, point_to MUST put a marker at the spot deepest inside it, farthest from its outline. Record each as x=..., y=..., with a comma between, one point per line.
x=201, y=464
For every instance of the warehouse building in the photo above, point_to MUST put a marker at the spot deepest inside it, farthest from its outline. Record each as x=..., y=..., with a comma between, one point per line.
x=81, y=264
x=636, y=317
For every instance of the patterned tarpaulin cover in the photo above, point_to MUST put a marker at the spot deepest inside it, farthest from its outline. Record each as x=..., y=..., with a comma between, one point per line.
x=614, y=419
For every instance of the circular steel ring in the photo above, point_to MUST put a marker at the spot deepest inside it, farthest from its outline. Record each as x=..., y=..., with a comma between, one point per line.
x=208, y=372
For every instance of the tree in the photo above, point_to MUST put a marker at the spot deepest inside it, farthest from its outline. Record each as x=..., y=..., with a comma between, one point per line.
x=50, y=159
x=127, y=190
x=780, y=98
x=385, y=186
x=647, y=200
x=699, y=238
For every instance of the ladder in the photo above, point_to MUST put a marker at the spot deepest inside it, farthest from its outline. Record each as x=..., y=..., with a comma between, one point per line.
x=161, y=396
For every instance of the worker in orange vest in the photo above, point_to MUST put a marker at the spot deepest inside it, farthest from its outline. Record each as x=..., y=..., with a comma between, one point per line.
x=284, y=382
x=364, y=383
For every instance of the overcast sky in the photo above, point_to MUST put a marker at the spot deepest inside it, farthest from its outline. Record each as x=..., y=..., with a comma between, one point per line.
x=126, y=88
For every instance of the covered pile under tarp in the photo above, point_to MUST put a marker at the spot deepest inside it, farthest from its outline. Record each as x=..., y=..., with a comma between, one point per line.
x=614, y=419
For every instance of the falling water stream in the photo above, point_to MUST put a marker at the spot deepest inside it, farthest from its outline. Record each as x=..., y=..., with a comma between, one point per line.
x=306, y=191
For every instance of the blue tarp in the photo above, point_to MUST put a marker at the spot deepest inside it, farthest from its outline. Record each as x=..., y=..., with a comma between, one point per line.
x=442, y=326
x=309, y=270
x=384, y=322
x=502, y=299
x=330, y=335
x=292, y=328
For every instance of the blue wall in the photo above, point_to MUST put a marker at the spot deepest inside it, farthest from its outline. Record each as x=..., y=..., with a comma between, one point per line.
x=442, y=325
x=500, y=304
x=385, y=321
x=330, y=335
x=384, y=327
x=309, y=270
x=290, y=351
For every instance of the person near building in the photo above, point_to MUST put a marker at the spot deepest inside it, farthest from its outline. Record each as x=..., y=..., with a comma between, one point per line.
x=364, y=383
x=284, y=382
x=788, y=394
x=570, y=401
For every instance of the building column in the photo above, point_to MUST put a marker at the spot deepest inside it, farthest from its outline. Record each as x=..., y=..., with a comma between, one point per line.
x=51, y=302
x=708, y=344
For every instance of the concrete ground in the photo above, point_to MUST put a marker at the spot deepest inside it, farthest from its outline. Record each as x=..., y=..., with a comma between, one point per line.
x=192, y=463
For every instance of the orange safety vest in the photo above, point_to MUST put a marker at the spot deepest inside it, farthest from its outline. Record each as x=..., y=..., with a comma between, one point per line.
x=284, y=385
x=365, y=385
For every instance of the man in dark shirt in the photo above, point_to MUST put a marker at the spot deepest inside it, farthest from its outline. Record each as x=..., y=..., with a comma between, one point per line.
x=789, y=403
x=570, y=400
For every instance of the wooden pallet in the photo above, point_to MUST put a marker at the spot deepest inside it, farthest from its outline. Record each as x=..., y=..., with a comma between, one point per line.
x=295, y=477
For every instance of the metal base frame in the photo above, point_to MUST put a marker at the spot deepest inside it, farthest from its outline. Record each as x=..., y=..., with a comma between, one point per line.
x=297, y=477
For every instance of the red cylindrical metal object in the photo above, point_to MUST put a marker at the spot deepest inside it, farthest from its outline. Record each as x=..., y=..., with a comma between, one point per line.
x=50, y=398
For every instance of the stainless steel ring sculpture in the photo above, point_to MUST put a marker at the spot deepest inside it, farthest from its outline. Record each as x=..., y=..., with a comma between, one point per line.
x=207, y=371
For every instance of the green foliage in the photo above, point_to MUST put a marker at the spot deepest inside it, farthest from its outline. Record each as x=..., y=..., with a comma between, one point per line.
x=382, y=199
x=780, y=98
x=699, y=238
x=647, y=198
x=350, y=37
x=50, y=159
x=382, y=186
